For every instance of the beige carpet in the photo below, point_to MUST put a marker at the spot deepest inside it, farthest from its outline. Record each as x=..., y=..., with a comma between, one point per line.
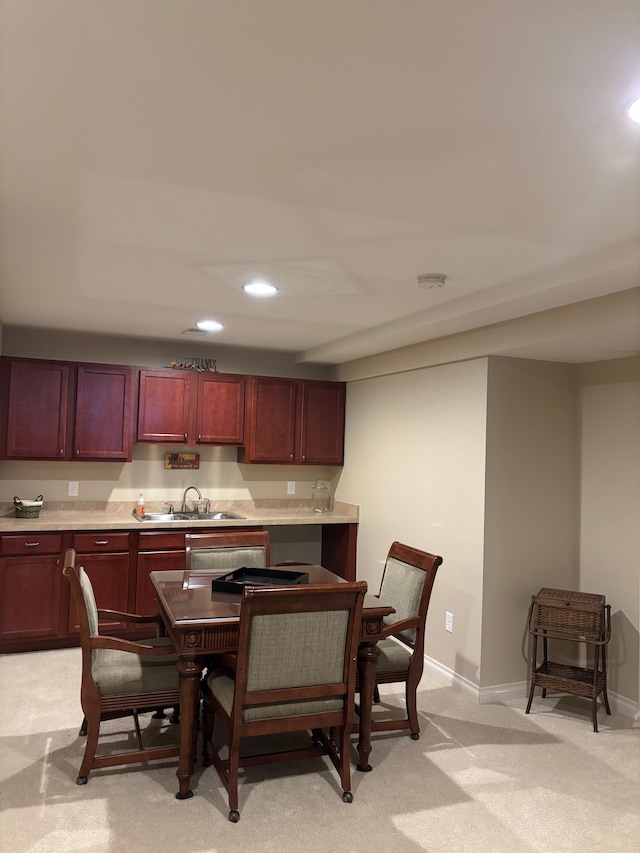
x=481, y=778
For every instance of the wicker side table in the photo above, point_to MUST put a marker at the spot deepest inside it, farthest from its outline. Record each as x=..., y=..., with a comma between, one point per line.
x=581, y=617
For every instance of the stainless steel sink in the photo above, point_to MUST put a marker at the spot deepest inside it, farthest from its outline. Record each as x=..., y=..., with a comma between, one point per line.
x=189, y=516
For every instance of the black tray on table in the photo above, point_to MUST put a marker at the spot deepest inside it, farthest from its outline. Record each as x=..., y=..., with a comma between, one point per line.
x=236, y=580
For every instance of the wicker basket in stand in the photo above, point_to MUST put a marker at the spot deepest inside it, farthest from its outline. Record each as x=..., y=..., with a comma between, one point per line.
x=581, y=617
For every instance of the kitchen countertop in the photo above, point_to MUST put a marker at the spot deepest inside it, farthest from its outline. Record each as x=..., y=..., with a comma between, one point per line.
x=114, y=515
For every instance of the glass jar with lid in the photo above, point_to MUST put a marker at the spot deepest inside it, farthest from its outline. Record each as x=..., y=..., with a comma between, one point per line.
x=320, y=497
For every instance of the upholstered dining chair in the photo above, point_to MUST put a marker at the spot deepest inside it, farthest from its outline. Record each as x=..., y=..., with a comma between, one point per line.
x=210, y=553
x=119, y=677
x=406, y=585
x=294, y=671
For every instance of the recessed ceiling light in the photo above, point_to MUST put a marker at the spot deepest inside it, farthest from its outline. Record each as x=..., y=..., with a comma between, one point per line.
x=260, y=288
x=209, y=326
x=634, y=111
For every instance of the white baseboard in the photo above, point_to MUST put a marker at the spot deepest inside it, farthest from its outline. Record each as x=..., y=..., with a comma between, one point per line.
x=495, y=693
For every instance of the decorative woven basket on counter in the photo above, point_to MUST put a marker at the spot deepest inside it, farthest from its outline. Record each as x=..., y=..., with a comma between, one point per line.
x=28, y=509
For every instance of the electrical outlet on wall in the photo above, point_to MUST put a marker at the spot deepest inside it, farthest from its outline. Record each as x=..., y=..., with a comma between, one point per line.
x=73, y=489
x=291, y=487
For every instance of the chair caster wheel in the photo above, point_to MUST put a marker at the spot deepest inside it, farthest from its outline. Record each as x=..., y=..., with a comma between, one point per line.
x=234, y=816
x=82, y=780
x=82, y=732
x=174, y=719
x=347, y=797
x=415, y=735
x=159, y=715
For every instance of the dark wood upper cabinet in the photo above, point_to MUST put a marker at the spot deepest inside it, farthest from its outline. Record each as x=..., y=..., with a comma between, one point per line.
x=322, y=407
x=36, y=404
x=164, y=406
x=67, y=410
x=294, y=421
x=60, y=410
x=220, y=408
x=103, y=427
x=271, y=420
x=178, y=407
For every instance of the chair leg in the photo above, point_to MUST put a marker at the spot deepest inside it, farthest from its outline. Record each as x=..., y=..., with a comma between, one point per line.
x=232, y=780
x=207, y=732
x=345, y=764
x=93, y=731
x=376, y=694
x=412, y=710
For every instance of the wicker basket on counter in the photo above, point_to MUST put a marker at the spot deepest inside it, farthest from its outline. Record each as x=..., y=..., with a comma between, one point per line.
x=28, y=509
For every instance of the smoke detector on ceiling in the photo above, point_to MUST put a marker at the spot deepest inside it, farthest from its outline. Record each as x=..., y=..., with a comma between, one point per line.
x=432, y=279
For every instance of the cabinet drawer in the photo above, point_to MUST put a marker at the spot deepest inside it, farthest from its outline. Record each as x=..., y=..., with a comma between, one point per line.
x=161, y=540
x=91, y=542
x=31, y=543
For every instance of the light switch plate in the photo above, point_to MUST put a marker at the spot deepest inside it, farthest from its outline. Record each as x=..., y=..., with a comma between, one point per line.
x=291, y=487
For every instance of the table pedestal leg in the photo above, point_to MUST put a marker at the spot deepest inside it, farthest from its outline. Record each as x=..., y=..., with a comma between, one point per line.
x=367, y=660
x=189, y=672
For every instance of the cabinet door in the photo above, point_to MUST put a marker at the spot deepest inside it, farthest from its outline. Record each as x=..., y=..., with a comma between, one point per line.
x=322, y=423
x=154, y=561
x=103, y=413
x=272, y=420
x=220, y=410
x=30, y=597
x=109, y=576
x=165, y=406
x=37, y=409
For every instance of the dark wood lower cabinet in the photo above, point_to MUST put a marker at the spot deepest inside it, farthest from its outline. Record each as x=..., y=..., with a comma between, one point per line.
x=30, y=599
x=109, y=575
x=36, y=611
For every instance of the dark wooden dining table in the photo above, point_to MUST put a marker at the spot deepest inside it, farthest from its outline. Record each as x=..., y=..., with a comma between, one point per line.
x=202, y=622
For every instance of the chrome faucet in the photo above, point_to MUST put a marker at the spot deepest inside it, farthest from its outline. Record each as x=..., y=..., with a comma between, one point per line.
x=184, y=496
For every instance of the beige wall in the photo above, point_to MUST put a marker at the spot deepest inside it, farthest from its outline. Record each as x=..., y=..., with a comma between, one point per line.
x=521, y=474
x=415, y=462
x=610, y=507
x=531, y=506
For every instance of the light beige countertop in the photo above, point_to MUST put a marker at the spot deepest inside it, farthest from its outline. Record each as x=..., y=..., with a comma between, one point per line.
x=115, y=515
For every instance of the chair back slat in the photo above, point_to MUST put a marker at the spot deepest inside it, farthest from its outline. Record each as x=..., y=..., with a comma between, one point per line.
x=279, y=654
x=223, y=559
x=220, y=553
x=407, y=582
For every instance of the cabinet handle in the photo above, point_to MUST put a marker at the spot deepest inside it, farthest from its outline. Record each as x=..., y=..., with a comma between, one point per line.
x=31, y=544
x=304, y=456
x=77, y=452
x=199, y=437
x=61, y=451
x=185, y=438
x=291, y=456
x=100, y=541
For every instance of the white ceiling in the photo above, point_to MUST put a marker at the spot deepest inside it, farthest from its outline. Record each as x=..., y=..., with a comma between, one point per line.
x=156, y=154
